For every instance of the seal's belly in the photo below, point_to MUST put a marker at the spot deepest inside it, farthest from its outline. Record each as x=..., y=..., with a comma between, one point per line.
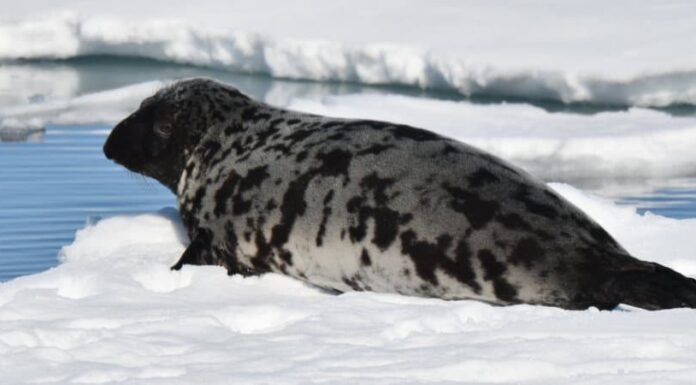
x=347, y=267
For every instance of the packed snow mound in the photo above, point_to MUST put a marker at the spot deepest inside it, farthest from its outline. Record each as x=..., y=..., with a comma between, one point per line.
x=590, y=52
x=113, y=312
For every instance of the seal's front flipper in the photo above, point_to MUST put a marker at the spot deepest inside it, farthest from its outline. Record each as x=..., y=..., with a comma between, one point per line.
x=197, y=253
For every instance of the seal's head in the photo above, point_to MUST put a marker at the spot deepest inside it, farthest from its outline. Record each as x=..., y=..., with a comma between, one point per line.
x=155, y=139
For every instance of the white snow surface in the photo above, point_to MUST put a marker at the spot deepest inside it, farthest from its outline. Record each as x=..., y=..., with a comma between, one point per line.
x=113, y=313
x=620, y=52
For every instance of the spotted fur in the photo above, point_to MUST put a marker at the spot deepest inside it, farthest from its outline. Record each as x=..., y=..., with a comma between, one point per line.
x=368, y=205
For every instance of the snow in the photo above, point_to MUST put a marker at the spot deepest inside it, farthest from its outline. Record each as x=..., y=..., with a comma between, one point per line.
x=113, y=312
x=618, y=53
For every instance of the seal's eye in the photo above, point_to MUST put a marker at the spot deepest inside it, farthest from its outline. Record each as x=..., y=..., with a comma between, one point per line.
x=163, y=129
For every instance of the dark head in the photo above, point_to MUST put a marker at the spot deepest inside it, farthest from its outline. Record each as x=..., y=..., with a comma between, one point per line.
x=156, y=139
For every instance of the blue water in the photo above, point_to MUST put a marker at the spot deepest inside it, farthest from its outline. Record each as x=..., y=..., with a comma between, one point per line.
x=673, y=202
x=49, y=189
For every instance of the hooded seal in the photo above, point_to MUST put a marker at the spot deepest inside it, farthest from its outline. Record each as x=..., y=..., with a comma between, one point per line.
x=367, y=205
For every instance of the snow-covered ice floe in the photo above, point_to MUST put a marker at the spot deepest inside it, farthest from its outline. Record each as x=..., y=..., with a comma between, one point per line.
x=112, y=312
x=606, y=53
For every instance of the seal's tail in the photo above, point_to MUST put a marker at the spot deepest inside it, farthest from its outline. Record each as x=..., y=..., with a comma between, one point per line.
x=651, y=287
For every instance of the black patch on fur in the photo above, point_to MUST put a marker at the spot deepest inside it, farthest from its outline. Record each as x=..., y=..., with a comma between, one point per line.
x=493, y=272
x=449, y=149
x=331, y=123
x=271, y=205
x=353, y=283
x=223, y=194
x=460, y=268
x=235, y=186
x=263, y=250
x=417, y=134
x=356, y=205
x=234, y=128
x=496, y=162
x=293, y=205
x=302, y=155
x=262, y=137
x=254, y=178
x=553, y=197
x=198, y=199
x=523, y=195
x=335, y=162
x=477, y=210
x=238, y=147
x=325, y=214
x=365, y=258
x=281, y=148
x=209, y=149
x=387, y=220
x=527, y=252
x=261, y=116
x=286, y=256
x=601, y=236
x=375, y=149
x=299, y=136
x=426, y=256
x=482, y=177
x=513, y=221
x=248, y=113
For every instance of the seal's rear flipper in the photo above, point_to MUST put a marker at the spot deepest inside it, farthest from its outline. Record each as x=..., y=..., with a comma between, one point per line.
x=197, y=253
x=653, y=288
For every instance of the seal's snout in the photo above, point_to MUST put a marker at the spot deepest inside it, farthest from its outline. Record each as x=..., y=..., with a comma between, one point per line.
x=112, y=144
x=108, y=150
x=122, y=146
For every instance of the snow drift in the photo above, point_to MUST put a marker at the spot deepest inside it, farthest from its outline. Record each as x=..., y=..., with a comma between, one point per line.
x=113, y=312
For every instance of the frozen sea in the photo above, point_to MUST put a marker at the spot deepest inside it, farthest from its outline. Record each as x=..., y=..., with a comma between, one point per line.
x=597, y=99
